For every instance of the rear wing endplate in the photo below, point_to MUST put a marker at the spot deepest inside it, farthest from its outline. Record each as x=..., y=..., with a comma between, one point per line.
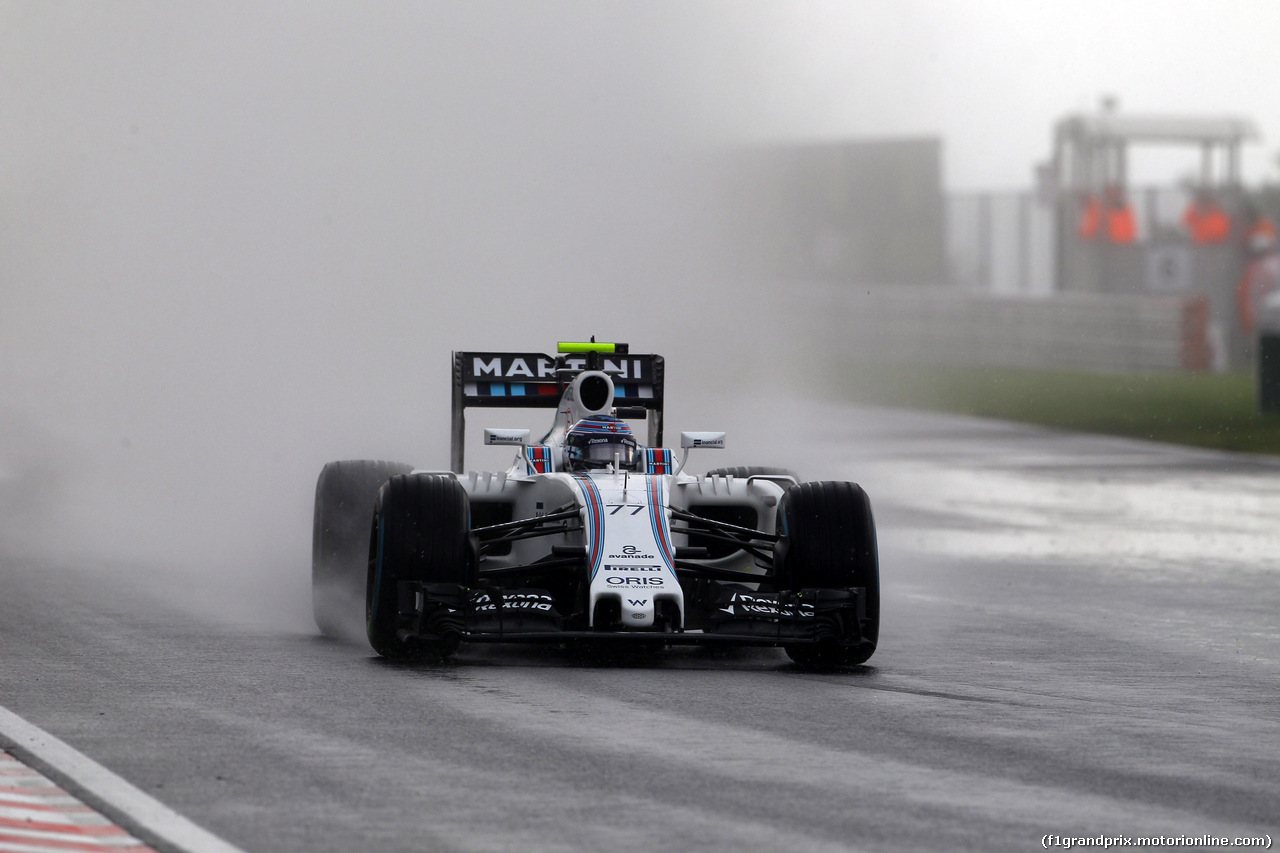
x=534, y=380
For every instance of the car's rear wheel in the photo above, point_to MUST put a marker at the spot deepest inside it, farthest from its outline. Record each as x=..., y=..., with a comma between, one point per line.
x=420, y=533
x=345, y=493
x=829, y=542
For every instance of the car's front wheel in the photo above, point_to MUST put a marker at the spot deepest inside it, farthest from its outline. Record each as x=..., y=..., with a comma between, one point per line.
x=829, y=542
x=420, y=533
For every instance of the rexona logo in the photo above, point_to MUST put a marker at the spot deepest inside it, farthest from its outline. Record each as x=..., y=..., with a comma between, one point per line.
x=515, y=601
x=757, y=605
x=630, y=581
x=633, y=568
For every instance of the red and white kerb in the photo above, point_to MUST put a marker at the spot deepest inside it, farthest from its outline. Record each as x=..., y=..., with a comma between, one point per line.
x=36, y=816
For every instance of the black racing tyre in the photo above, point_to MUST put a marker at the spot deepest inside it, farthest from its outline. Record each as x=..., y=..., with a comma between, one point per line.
x=752, y=471
x=829, y=542
x=345, y=493
x=421, y=532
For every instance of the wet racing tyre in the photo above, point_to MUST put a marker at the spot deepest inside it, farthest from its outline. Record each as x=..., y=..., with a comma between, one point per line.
x=345, y=493
x=829, y=542
x=421, y=532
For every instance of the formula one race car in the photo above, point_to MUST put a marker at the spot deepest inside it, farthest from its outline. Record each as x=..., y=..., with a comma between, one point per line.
x=591, y=536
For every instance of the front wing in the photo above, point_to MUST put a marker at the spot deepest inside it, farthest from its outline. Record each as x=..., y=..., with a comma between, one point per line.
x=453, y=614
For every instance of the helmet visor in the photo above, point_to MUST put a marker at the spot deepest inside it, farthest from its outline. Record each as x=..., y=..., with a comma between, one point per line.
x=602, y=452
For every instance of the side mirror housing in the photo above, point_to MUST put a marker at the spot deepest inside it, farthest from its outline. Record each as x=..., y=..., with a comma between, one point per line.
x=714, y=440
x=516, y=437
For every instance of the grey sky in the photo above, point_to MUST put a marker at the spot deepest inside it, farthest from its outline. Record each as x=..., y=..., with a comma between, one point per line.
x=991, y=76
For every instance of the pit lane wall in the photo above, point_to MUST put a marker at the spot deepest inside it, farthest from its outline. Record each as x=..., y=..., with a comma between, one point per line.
x=1069, y=331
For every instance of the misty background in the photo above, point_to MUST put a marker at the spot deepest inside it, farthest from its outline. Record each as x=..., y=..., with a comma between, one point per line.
x=238, y=241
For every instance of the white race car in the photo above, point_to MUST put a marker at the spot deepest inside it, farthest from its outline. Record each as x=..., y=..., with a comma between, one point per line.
x=590, y=536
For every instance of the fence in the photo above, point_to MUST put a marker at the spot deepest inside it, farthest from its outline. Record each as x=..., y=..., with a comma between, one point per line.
x=1000, y=243
x=1019, y=244
x=1007, y=243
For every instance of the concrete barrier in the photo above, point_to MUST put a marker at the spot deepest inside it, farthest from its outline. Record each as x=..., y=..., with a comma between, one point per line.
x=1073, y=331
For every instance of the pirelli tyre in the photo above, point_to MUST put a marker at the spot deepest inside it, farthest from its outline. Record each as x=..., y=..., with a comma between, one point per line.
x=753, y=471
x=421, y=532
x=829, y=542
x=345, y=493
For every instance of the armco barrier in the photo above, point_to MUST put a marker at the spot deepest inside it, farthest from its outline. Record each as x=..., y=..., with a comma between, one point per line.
x=1073, y=331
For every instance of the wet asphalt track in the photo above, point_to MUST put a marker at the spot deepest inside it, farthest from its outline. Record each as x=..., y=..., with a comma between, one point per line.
x=1080, y=636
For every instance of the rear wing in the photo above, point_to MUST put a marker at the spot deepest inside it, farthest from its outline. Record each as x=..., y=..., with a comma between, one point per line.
x=534, y=380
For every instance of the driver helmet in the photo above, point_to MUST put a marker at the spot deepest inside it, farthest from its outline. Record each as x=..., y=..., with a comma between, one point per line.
x=597, y=441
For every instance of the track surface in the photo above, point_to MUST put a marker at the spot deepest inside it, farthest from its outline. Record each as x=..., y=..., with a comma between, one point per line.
x=1081, y=636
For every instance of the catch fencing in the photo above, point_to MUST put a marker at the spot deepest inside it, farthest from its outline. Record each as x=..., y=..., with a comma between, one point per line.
x=1010, y=242
x=1024, y=288
x=999, y=243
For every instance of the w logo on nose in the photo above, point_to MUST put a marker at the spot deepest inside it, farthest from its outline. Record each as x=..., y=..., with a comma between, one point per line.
x=637, y=602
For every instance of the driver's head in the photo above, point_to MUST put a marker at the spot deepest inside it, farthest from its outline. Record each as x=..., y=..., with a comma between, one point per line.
x=598, y=441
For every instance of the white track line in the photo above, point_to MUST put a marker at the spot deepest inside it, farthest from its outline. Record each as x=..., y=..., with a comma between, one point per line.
x=140, y=807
